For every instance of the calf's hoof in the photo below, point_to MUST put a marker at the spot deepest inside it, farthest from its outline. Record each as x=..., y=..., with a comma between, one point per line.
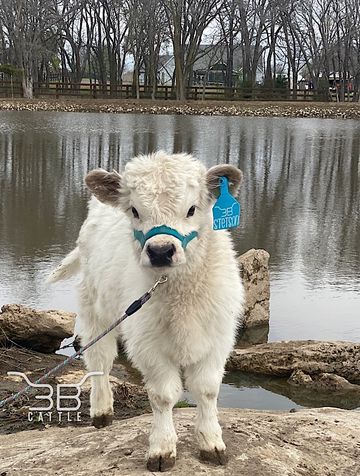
x=160, y=463
x=101, y=421
x=215, y=456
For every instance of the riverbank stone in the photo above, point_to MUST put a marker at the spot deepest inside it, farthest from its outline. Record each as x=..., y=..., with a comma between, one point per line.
x=42, y=331
x=314, y=359
x=254, y=271
x=319, y=442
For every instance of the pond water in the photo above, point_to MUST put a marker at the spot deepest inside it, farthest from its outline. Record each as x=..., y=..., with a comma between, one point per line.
x=300, y=201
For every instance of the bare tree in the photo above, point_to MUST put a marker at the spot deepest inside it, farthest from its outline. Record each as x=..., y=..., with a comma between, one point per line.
x=312, y=27
x=76, y=29
x=109, y=43
x=253, y=15
x=289, y=43
x=321, y=38
x=354, y=54
x=136, y=20
x=187, y=20
x=229, y=26
x=346, y=25
x=156, y=35
x=27, y=27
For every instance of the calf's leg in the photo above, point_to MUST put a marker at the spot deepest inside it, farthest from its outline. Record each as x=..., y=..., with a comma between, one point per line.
x=99, y=358
x=203, y=380
x=163, y=384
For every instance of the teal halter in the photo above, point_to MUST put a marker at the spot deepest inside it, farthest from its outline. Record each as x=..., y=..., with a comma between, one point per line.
x=164, y=230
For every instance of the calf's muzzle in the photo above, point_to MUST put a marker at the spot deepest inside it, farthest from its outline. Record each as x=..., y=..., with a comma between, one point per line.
x=160, y=255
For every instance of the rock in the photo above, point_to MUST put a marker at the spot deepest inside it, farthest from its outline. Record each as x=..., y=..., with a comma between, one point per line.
x=252, y=335
x=298, y=377
x=254, y=270
x=334, y=382
x=308, y=442
x=323, y=381
x=42, y=331
x=311, y=357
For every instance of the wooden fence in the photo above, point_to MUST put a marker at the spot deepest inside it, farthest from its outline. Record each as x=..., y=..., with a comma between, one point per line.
x=127, y=91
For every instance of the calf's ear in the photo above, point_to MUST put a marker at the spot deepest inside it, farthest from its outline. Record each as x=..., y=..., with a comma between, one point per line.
x=233, y=174
x=104, y=185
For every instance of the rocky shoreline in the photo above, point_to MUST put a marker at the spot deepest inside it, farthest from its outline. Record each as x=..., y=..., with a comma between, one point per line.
x=315, y=365
x=203, y=108
x=317, y=442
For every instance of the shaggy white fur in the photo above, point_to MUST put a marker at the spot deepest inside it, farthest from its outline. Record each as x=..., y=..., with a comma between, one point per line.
x=188, y=327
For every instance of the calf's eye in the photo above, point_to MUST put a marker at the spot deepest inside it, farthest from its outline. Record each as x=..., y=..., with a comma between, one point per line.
x=191, y=211
x=134, y=212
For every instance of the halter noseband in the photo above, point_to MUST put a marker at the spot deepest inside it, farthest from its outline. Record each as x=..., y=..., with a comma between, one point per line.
x=164, y=230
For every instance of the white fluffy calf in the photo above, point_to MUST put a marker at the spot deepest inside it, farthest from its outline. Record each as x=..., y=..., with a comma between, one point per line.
x=188, y=328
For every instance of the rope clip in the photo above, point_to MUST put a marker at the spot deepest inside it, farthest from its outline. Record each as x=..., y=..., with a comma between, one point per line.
x=161, y=280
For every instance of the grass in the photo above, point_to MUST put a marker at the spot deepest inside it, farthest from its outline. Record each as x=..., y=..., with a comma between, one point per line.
x=184, y=404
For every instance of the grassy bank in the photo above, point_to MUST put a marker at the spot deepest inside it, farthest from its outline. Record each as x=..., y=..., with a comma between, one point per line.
x=208, y=108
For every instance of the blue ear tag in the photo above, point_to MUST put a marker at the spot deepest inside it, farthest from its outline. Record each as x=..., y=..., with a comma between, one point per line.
x=226, y=211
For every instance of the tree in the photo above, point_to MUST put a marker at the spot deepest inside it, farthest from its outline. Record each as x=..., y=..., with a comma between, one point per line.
x=253, y=15
x=27, y=28
x=289, y=43
x=76, y=29
x=11, y=71
x=229, y=26
x=187, y=20
x=157, y=34
x=110, y=45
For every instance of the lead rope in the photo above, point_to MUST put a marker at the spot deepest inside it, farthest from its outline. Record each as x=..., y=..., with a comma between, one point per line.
x=134, y=307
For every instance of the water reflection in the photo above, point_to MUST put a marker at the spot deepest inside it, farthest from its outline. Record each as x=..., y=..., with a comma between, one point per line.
x=300, y=201
x=301, y=396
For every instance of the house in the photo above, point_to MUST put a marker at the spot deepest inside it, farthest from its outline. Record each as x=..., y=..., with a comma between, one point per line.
x=165, y=73
x=210, y=67
x=166, y=70
x=211, y=64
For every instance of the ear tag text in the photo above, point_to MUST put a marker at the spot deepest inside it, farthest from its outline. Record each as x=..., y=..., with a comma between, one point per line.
x=226, y=211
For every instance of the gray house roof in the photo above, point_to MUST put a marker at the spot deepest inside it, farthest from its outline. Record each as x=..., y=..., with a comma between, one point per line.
x=164, y=59
x=210, y=55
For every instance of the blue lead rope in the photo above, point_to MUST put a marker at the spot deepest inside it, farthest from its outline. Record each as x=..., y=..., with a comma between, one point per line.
x=164, y=230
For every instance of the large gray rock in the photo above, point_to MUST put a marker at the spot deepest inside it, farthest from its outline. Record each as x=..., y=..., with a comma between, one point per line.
x=254, y=270
x=318, y=442
x=37, y=330
x=311, y=357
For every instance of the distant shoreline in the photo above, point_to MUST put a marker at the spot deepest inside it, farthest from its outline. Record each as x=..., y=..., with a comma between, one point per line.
x=206, y=108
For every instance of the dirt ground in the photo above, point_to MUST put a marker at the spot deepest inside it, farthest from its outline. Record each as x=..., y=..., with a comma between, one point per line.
x=224, y=108
x=129, y=399
x=316, y=442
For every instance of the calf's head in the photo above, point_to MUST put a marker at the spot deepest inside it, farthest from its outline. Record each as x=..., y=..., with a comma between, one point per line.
x=168, y=199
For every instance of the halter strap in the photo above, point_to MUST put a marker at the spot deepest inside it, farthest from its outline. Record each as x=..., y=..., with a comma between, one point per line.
x=164, y=230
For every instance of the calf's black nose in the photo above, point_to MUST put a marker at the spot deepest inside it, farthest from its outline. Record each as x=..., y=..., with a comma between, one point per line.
x=160, y=255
